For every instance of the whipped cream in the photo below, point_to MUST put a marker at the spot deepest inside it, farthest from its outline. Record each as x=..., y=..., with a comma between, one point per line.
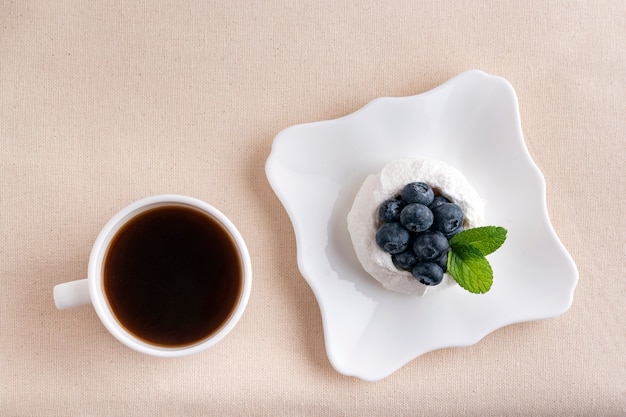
x=363, y=217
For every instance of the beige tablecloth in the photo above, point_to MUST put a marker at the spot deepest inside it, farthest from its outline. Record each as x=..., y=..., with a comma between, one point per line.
x=102, y=103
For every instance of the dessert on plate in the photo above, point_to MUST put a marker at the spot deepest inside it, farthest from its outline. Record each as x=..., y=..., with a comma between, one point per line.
x=417, y=227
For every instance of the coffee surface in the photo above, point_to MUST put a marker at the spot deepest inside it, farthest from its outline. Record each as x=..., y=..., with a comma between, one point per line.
x=172, y=276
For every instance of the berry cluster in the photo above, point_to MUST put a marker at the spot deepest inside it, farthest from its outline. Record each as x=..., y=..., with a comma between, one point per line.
x=415, y=229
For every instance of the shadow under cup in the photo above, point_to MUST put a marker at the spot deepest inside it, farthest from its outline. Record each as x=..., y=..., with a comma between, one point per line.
x=174, y=278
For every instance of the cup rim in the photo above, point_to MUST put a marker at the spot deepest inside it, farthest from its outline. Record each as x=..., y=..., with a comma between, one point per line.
x=96, y=259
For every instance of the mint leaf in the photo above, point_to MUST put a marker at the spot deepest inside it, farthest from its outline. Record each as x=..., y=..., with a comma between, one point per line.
x=486, y=239
x=469, y=268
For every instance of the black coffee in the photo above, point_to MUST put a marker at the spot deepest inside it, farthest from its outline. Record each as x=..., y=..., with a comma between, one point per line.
x=172, y=276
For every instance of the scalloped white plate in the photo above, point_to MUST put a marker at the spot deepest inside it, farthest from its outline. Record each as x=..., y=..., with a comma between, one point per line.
x=471, y=122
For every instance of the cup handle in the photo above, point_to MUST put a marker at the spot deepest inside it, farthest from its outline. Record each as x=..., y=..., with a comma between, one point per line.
x=71, y=294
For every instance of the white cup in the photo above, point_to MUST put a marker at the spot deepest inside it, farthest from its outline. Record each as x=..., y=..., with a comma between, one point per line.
x=90, y=290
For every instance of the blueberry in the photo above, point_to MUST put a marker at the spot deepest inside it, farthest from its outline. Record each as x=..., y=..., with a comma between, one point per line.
x=428, y=273
x=416, y=217
x=404, y=260
x=460, y=229
x=417, y=192
x=448, y=219
x=389, y=210
x=442, y=261
x=392, y=238
x=430, y=245
x=437, y=201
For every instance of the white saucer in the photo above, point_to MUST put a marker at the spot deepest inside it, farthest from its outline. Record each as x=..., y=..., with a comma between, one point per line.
x=471, y=122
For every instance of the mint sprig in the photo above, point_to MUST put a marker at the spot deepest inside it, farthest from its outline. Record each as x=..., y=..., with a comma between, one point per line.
x=467, y=263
